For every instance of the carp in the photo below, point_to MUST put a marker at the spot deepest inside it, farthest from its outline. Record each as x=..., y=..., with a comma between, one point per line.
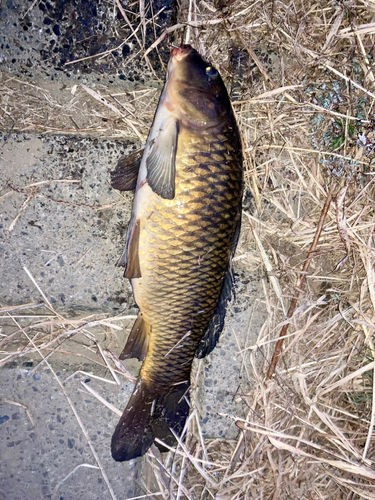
x=183, y=232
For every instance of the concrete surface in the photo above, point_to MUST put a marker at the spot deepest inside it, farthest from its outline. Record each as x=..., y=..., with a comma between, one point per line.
x=44, y=453
x=69, y=234
x=38, y=38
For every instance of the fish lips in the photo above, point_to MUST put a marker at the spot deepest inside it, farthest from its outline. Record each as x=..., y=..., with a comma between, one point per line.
x=181, y=52
x=185, y=61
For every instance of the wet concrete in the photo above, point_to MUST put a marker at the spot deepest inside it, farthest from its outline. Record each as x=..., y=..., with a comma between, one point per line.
x=40, y=38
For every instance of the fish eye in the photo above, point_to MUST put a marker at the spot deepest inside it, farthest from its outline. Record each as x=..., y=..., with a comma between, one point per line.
x=211, y=72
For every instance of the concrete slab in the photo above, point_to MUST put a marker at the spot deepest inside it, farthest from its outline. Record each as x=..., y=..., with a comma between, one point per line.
x=60, y=219
x=40, y=38
x=44, y=452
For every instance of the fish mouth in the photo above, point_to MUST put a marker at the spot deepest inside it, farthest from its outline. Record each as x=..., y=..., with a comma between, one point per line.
x=179, y=53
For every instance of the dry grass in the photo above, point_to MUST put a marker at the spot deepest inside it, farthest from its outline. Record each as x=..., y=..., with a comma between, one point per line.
x=308, y=125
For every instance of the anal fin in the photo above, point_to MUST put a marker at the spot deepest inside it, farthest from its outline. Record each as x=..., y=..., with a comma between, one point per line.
x=137, y=343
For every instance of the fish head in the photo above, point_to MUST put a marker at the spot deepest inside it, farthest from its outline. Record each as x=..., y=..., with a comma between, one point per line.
x=195, y=88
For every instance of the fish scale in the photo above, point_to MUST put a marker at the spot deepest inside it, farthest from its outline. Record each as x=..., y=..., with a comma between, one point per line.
x=169, y=281
x=181, y=239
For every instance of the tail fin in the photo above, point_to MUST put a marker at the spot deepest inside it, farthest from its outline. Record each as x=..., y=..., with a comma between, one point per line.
x=133, y=435
x=171, y=412
x=148, y=416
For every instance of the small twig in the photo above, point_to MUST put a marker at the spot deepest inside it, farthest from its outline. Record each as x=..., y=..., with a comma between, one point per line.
x=134, y=32
x=24, y=205
x=254, y=57
x=31, y=305
x=65, y=130
x=342, y=225
x=89, y=466
x=154, y=29
x=105, y=53
x=101, y=399
x=22, y=406
x=162, y=36
x=143, y=20
x=305, y=150
x=266, y=261
x=196, y=24
x=302, y=279
x=123, y=13
x=113, y=108
x=30, y=8
x=190, y=18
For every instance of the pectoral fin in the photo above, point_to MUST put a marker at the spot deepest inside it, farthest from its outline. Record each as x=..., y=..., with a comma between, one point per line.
x=125, y=175
x=130, y=258
x=161, y=160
